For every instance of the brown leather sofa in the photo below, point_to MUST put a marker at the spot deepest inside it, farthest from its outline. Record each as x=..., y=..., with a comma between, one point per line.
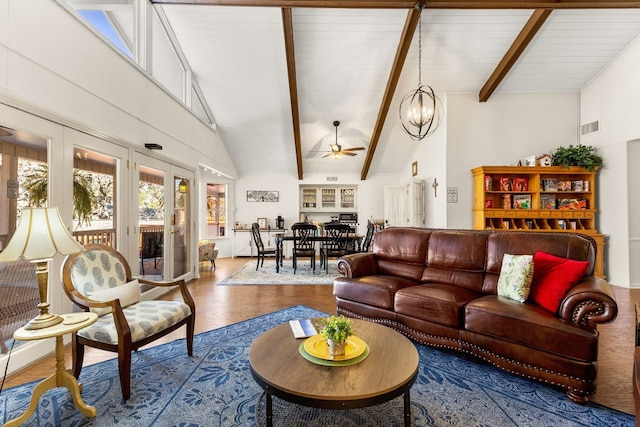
x=439, y=287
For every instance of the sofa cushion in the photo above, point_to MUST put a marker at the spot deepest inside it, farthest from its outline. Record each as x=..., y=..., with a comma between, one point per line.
x=377, y=291
x=401, y=252
x=531, y=326
x=456, y=258
x=515, y=277
x=435, y=302
x=552, y=277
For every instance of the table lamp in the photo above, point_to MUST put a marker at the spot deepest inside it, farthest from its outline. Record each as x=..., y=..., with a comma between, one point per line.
x=40, y=235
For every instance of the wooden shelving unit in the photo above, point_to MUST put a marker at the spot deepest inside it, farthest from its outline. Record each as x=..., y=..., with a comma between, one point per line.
x=541, y=198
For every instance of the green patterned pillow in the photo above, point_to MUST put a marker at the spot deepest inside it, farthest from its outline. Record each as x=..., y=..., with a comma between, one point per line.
x=515, y=277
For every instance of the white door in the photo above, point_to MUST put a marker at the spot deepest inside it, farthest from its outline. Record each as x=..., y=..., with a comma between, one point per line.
x=395, y=207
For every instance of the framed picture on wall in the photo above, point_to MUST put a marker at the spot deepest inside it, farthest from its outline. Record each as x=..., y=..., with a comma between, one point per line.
x=263, y=196
x=414, y=168
x=262, y=222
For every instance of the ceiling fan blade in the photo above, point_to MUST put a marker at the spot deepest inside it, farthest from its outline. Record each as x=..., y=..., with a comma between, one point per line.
x=328, y=155
x=346, y=153
x=353, y=149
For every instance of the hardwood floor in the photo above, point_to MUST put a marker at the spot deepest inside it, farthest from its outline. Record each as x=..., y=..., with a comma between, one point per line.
x=219, y=306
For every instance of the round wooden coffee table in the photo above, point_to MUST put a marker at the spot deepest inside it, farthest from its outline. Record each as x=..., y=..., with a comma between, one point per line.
x=387, y=372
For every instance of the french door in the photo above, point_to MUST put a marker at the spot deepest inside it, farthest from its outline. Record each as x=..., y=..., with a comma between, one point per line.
x=163, y=230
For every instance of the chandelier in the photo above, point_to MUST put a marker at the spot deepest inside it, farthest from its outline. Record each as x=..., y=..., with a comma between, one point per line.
x=420, y=109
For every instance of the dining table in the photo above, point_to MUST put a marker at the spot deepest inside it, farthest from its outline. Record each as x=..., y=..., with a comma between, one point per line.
x=279, y=238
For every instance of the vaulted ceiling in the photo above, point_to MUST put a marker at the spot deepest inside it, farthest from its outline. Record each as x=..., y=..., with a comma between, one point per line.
x=278, y=73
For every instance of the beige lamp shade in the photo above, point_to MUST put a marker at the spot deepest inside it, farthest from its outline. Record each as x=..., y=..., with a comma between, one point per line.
x=39, y=236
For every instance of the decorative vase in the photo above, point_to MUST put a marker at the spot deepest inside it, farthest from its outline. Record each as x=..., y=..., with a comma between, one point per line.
x=337, y=348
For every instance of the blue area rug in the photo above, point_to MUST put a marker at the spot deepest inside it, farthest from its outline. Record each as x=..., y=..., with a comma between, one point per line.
x=215, y=388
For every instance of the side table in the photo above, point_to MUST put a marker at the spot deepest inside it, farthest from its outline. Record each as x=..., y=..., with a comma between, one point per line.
x=62, y=377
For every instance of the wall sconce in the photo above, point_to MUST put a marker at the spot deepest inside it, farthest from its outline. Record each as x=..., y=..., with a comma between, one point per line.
x=183, y=186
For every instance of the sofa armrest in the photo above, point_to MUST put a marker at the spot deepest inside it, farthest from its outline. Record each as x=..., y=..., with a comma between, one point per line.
x=589, y=302
x=358, y=265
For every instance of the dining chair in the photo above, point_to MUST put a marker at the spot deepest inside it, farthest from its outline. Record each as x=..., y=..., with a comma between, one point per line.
x=303, y=243
x=257, y=239
x=368, y=238
x=335, y=245
x=99, y=280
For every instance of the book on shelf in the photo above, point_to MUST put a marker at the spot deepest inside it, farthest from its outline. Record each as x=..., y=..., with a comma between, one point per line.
x=506, y=201
x=505, y=184
x=302, y=328
x=522, y=201
x=521, y=184
x=564, y=185
x=570, y=204
x=550, y=184
x=547, y=201
x=577, y=185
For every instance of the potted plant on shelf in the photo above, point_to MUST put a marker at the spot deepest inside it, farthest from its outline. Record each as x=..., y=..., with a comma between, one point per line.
x=336, y=331
x=581, y=155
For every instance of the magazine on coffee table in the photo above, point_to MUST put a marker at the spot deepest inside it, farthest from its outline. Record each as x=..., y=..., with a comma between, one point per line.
x=302, y=328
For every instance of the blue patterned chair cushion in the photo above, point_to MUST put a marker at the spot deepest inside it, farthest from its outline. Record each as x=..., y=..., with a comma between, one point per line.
x=145, y=319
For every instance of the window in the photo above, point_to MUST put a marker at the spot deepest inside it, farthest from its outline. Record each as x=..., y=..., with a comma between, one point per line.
x=106, y=23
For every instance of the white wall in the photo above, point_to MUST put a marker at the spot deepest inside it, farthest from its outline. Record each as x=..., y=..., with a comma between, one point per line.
x=633, y=197
x=613, y=98
x=370, y=201
x=431, y=154
x=500, y=132
x=68, y=74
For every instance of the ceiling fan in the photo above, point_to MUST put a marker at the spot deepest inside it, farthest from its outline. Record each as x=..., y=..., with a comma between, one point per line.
x=337, y=150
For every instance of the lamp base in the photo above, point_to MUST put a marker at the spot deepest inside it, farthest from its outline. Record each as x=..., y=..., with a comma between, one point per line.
x=43, y=321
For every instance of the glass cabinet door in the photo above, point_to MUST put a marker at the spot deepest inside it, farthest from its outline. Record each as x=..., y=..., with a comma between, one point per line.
x=328, y=198
x=309, y=198
x=347, y=198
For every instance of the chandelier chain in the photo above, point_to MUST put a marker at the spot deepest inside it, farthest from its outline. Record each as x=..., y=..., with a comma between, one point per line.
x=420, y=50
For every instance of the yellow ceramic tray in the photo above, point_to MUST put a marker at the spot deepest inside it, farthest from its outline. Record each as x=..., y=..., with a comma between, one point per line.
x=317, y=347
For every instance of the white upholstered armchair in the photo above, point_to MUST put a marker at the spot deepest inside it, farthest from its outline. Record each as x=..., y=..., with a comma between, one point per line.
x=99, y=280
x=207, y=251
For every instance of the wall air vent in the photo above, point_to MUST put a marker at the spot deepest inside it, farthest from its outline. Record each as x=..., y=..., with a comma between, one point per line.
x=332, y=178
x=589, y=128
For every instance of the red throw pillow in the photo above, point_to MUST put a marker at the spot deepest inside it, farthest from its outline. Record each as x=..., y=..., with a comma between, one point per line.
x=553, y=276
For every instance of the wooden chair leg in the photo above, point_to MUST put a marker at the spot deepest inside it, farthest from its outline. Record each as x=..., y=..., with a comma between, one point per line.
x=77, y=354
x=124, y=368
x=191, y=327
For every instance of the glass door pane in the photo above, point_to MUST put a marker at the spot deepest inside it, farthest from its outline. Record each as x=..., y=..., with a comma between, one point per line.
x=24, y=176
x=151, y=208
x=95, y=215
x=181, y=225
